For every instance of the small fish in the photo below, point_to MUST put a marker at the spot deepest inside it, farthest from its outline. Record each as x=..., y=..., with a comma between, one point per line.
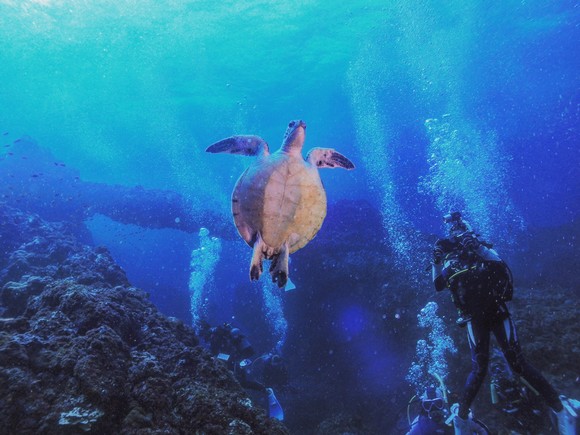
x=7, y=146
x=5, y=133
x=34, y=175
x=10, y=154
x=17, y=140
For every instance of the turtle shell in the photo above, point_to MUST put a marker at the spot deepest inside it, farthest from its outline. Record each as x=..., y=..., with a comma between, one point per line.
x=280, y=196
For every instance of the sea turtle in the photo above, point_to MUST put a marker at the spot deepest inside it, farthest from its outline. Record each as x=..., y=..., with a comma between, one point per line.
x=279, y=202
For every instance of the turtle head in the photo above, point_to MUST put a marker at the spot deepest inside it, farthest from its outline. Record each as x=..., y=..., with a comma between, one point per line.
x=294, y=136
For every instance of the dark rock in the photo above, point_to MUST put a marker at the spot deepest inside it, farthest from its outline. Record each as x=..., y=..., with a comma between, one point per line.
x=81, y=351
x=342, y=424
x=15, y=294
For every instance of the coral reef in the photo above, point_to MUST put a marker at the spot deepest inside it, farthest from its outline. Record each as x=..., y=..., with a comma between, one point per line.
x=342, y=424
x=81, y=351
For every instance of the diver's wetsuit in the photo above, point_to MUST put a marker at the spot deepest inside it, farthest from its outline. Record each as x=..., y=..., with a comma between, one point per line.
x=423, y=425
x=222, y=340
x=487, y=314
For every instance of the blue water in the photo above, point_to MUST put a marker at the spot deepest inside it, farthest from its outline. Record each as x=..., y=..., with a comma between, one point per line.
x=470, y=105
x=132, y=93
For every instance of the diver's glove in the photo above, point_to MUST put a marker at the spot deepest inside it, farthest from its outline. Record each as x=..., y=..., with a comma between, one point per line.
x=469, y=242
x=437, y=255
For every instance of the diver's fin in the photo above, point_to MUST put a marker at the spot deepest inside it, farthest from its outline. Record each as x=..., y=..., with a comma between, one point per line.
x=279, y=267
x=289, y=285
x=567, y=417
x=274, y=408
x=243, y=145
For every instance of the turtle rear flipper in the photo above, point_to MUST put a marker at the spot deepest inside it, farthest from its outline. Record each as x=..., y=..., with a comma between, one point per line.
x=256, y=266
x=279, y=267
x=246, y=145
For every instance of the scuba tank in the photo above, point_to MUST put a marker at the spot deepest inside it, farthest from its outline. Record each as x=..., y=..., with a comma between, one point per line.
x=493, y=392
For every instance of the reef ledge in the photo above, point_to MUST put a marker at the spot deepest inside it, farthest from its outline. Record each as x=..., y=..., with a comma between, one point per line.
x=82, y=351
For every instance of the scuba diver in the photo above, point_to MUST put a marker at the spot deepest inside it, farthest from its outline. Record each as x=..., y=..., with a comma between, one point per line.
x=432, y=414
x=228, y=344
x=434, y=417
x=481, y=283
x=275, y=372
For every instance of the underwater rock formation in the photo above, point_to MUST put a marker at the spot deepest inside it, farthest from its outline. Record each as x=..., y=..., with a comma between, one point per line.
x=81, y=351
x=32, y=179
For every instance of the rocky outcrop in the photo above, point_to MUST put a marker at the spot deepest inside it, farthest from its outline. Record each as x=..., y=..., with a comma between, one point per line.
x=81, y=351
x=32, y=179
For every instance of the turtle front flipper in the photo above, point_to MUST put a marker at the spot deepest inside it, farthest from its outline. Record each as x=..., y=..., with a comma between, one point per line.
x=256, y=266
x=244, y=145
x=328, y=158
x=279, y=266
